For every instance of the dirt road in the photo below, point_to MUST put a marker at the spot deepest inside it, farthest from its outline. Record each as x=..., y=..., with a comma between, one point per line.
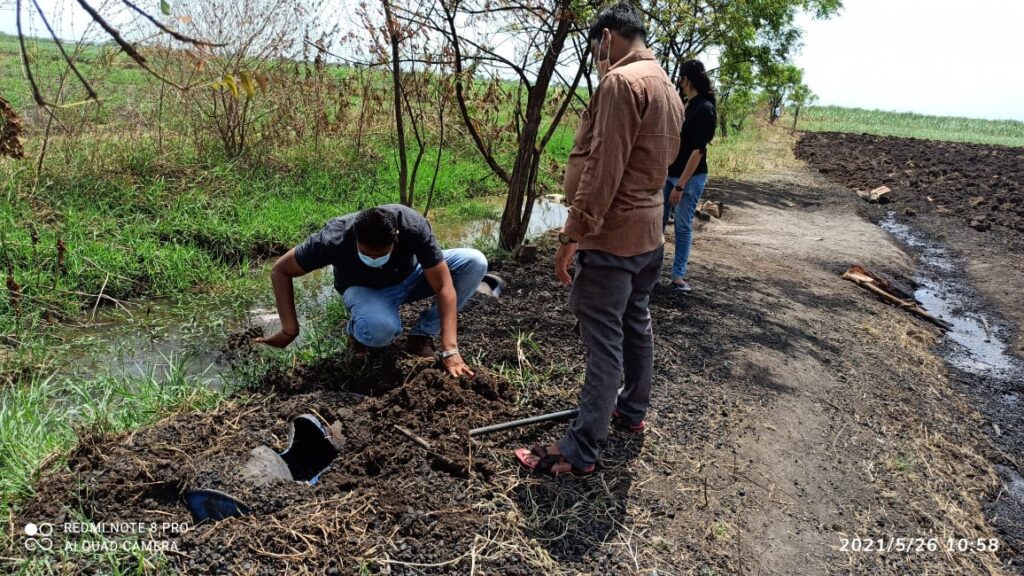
x=797, y=425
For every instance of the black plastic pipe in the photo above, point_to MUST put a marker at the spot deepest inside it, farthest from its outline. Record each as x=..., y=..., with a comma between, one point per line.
x=563, y=415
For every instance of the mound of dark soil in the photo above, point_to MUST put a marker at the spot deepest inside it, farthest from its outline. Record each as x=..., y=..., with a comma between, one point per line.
x=979, y=185
x=382, y=488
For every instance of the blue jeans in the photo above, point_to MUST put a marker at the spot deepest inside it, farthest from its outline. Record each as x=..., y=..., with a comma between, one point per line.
x=685, y=209
x=375, y=320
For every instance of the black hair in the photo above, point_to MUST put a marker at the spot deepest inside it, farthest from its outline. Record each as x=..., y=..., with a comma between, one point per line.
x=694, y=70
x=623, y=18
x=376, y=227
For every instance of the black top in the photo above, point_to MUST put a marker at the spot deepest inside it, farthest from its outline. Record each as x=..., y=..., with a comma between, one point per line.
x=698, y=129
x=335, y=244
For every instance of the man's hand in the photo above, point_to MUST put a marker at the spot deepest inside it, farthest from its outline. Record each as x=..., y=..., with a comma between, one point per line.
x=675, y=196
x=562, y=260
x=457, y=366
x=278, y=340
x=285, y=269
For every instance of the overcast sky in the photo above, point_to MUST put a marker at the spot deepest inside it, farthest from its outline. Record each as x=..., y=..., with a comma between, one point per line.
x=945, y=57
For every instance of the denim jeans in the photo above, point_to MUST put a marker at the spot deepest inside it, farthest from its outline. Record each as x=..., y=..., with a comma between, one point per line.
x=685, y=209
x=375, y=321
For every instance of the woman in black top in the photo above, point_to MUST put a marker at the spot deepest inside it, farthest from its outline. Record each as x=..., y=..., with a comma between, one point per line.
x=689, y=172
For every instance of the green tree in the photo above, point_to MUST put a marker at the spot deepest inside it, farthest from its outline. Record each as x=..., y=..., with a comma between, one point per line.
x=799, y=97
x=778, y=81
x=736, y=94
x=759, y=32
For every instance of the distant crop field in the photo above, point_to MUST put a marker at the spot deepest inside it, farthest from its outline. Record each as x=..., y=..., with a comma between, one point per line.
x=910, y=125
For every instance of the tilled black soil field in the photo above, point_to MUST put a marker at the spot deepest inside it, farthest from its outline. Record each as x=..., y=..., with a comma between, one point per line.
x=976, y=185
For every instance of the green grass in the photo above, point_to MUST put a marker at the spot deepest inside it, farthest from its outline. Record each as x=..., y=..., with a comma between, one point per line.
x=40, y=423
x=140, y=232
x=39, y=419
x=909, y=125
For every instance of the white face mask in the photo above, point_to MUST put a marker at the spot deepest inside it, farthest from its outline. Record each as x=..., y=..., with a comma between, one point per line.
x=374, y=262
x=603, y=64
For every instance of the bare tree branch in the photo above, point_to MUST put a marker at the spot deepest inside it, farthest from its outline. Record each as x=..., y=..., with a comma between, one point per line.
x=176, y=35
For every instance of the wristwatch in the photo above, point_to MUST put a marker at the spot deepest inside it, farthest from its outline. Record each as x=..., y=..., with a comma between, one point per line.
x=564, y=239
x=446, y=354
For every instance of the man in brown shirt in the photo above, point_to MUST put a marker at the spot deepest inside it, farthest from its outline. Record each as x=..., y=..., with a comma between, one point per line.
x=620, y=157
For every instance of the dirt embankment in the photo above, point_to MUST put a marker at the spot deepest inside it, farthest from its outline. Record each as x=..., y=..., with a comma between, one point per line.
x=792, y=413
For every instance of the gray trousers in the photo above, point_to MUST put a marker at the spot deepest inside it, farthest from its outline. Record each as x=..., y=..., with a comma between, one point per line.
x=610, y=296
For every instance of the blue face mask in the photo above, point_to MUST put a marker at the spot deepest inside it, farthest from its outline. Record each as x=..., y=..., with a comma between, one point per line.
x=374, y=262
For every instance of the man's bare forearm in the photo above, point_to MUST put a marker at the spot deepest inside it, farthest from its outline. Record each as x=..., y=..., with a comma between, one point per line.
x=447, y=309
x=284, y=297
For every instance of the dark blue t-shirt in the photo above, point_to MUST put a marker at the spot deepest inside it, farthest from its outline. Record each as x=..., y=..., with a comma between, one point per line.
x=335, y=245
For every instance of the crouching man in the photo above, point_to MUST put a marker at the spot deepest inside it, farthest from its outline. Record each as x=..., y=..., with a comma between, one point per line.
x=384, y=257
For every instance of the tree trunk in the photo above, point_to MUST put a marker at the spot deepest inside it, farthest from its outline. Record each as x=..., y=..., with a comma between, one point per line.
x=723, y=101
x=796, y=116
x=396, y=81
x=522, y=184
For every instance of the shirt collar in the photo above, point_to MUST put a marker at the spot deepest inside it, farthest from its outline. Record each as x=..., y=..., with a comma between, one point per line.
x=634, y=56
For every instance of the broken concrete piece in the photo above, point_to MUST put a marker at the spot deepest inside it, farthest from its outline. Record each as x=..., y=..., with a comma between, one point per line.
x=492, y=285
x=878, y=195
x=976, y=200
x=526, y=254
x=266, y=467
x=713, y=209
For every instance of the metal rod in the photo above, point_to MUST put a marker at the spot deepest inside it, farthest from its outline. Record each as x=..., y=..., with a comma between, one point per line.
x=563, y=415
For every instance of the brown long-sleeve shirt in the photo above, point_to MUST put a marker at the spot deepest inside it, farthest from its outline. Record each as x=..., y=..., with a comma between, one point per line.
x=619, y=160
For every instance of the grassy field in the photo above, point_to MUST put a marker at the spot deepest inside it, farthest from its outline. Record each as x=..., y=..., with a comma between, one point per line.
x=909, y=125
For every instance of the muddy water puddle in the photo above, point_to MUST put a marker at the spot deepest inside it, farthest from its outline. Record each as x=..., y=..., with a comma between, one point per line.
x=976, y=343
x=152, y=338
x=975, y=346
x=547, y=213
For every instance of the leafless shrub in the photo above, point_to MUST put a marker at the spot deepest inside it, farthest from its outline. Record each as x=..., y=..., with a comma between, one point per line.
x=258, y=40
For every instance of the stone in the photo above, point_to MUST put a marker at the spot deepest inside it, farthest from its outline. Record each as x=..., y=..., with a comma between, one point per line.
x=526, y=254
x=980, y=224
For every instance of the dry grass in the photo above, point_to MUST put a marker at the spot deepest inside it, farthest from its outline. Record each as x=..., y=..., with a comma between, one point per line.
x=759, y=151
